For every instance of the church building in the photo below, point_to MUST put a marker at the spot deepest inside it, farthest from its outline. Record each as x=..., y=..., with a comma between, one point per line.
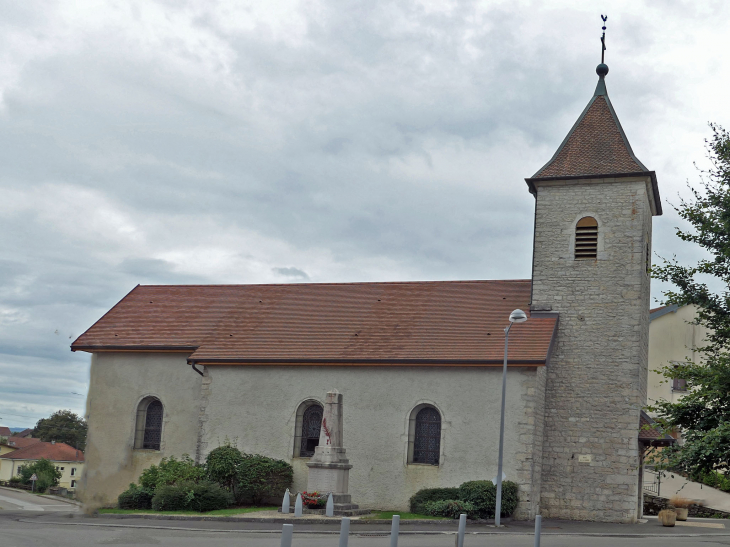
x=179, y=369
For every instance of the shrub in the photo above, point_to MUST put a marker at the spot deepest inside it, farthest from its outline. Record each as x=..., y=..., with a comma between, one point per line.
x=135, y=498
x=170, y=497
x=260, y=477
x=46, y=472
x=209, y=496
x=171, y=471
x=420, y=498
x=483, y=495
x=195, y=496
x=222, y=466
x=450, y=508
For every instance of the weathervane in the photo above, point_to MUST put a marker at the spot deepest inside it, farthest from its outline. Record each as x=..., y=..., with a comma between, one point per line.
x=603, y=38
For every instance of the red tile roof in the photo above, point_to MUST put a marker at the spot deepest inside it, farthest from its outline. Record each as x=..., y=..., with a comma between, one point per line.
x=595, y=146
x=57, y=452
x=24, y=433
x=21, y=442
x=649, y=434
x=5, y=431
x=439, y=322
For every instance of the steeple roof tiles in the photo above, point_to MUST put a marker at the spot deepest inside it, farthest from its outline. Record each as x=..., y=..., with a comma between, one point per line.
x=596, y=145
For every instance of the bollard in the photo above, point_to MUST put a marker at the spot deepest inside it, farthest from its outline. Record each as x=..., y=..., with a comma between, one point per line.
x=538, y=529
x=394, y=531
x=344, y=531
x=462, y=531
x=298, y=506
x=286, y=533
x=330, y=509
x=286, y=503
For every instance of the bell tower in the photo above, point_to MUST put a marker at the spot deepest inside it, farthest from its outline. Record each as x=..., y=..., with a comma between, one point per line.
x=594, y=203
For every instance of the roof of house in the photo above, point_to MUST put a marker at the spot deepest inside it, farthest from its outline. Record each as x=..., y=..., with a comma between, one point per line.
x=656, y=313
x=5, y=431
x=420, y=323
x=24, y=433
x=596, y=146
x=21, y=442
x=649, y=434
x=58, y=452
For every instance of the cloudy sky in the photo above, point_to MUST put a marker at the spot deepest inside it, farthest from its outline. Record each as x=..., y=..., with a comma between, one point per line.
x=177, y=141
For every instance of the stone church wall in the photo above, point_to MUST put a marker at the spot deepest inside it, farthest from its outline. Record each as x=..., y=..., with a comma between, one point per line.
x=255, y=406
x=118, y=382
x=596, y=381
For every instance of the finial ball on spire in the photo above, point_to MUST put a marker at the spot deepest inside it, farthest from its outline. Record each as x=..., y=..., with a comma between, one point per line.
x=602, y=70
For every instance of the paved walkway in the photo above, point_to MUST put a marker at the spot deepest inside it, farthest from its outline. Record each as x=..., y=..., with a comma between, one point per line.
x=676, y=484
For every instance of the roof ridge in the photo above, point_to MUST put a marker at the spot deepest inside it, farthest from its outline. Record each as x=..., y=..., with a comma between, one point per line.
x=336, y=283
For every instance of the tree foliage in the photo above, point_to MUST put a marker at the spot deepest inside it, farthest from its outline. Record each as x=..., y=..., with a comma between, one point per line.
x=171, y=471
x=46, y=472
x=703, y=415
x=222, y=465
x=62, y=426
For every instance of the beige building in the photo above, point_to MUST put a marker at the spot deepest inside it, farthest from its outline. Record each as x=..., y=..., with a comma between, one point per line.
x=178, y=369
x=68, y=460
x=673, y=338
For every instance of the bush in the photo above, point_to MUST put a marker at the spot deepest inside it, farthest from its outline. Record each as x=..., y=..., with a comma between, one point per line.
x=420, y=498
x=195, y=496
x=450, y=508
x=716, y=480
x=171, y=497
x=222, y=466
x=171, y=471
x=260, y=477
x=209, y=496
x=135, y=498
x=483, y=495
x=46, y=472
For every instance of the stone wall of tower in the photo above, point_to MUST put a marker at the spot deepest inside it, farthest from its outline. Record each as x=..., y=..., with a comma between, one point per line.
x=596, y=380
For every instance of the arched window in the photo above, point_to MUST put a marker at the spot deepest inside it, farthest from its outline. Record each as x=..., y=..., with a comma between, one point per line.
x=586, y=238
x=309, y=423
x=148, y=430
x=425, y=435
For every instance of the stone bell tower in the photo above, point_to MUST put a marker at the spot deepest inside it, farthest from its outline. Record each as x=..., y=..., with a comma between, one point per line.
x=594, y=203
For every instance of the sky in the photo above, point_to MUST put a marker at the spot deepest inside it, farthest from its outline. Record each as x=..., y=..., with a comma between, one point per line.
x=174, y=141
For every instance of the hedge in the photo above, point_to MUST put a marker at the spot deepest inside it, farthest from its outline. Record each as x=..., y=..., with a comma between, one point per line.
x=135, y=498
x=450, y=508
x=195, y=496
x=420, y=498
x=480, y=495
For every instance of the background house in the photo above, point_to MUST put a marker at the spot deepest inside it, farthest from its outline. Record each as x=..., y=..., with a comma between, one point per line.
x=67, y=459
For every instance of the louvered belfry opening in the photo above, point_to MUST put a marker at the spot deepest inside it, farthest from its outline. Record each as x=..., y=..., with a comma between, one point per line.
x=586, y=238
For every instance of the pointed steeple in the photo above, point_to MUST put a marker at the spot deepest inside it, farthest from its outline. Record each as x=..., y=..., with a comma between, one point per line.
x=596, y=145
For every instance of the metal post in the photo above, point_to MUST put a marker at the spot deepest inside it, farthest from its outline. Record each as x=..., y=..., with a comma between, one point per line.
x=286, y=503
x=344, y=531
x=298, y=506
x=394, y=531
x=498, y=506
x=286, y=533
x=538, y=529
x=462, y=531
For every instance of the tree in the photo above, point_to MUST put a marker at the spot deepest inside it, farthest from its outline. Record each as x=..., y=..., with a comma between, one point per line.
x=46, y=472
x=62, y=426
x=222, y=466
x=703, y=415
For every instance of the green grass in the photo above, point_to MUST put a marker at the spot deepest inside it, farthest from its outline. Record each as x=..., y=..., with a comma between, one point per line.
x=219, y=512
x=388, y=515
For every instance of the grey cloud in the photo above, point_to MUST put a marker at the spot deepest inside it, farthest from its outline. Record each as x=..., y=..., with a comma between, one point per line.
x=295, y=273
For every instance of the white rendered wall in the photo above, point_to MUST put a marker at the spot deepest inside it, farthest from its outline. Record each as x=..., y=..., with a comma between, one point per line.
x=118, y=382
x=255, y=406
x=672, y=338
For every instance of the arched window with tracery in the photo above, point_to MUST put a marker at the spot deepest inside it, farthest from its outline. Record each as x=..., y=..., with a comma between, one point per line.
x=309, y=423
x=586, y=238
x=426, y=436
x=148, y=430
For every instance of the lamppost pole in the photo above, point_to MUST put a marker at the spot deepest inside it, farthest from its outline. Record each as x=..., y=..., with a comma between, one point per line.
x=517, y=316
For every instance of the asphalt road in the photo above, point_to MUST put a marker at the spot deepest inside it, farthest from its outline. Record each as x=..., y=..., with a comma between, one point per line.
x=38, y=521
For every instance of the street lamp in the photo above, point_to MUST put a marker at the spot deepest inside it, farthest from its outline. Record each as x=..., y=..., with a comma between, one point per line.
x=517, y=316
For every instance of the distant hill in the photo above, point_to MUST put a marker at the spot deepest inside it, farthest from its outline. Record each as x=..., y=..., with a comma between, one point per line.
x=17, y=429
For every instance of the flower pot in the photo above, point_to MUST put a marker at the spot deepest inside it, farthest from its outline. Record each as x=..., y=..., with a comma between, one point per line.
x=667, y=517
x=681, y=513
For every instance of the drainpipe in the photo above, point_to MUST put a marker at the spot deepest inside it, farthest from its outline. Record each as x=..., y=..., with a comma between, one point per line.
x=195, y=369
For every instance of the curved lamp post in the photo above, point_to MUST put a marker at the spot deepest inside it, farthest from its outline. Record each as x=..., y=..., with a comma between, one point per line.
x=517, y=316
